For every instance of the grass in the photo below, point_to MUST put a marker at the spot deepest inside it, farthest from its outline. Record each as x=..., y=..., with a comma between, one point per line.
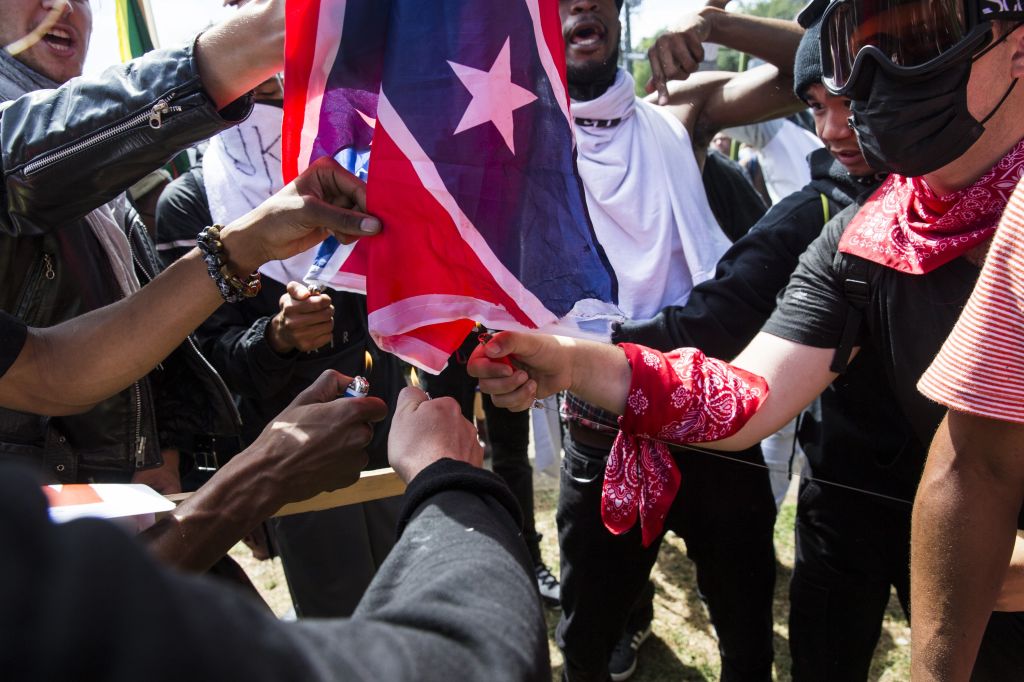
x=682, y=645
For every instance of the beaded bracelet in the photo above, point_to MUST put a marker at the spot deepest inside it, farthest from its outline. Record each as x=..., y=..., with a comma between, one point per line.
x=232, y=289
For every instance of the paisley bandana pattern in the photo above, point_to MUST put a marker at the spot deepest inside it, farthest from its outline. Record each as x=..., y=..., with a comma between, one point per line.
x=907, y=227
x=679, y=397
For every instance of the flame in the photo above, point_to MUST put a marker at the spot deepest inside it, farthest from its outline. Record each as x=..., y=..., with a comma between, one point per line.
x=367, y=362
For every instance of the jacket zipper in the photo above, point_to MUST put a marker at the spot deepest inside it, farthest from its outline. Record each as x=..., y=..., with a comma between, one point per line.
x=154, y=116
x=42, y=270
x=140, y=440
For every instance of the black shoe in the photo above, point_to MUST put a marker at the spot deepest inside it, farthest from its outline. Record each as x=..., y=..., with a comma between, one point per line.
x=548, y=586
x=622, y=664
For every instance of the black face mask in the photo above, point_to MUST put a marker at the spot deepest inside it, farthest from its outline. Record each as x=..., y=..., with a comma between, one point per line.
x=916, y=127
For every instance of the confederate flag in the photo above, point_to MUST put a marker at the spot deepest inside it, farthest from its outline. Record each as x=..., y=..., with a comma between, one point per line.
x=471, y=168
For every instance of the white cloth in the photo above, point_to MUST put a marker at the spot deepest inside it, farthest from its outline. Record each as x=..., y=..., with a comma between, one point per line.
x=547, y=434
x=782, y=148
x=107, y=223
x=646, y=200
x=241, y=170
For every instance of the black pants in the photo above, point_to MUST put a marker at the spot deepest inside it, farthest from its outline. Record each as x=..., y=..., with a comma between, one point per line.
x=508, y=433
x=330, y=556
x=851, y=548
x=725, y=513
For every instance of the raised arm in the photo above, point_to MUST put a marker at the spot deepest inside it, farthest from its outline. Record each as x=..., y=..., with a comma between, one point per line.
x=708, y=101
x=678, y=53
x=129, y=120
x=67, y=368
x=236, y=55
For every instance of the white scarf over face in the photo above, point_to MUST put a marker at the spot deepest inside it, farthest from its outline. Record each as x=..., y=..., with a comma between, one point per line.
x=241, y=170
x=646, y=200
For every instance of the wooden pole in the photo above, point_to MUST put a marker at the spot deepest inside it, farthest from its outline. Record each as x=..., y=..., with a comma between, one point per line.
x=372, y=485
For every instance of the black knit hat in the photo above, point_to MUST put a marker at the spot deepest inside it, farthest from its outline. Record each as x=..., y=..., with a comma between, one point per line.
x=807, y=65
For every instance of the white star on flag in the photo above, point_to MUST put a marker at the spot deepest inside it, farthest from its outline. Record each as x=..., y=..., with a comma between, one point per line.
x=495, y=96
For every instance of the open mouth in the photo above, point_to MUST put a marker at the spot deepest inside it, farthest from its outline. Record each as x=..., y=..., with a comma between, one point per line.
x=848, y=157
x=60, y=40
x=587, y=34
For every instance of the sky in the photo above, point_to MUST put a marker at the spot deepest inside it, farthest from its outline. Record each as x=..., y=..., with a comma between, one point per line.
x=179, y=21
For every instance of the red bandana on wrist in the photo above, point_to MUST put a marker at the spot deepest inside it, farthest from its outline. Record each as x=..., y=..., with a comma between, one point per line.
x=681, y=397
x=906, y=227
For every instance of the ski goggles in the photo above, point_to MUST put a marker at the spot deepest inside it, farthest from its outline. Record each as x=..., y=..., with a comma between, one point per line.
x=905, y=38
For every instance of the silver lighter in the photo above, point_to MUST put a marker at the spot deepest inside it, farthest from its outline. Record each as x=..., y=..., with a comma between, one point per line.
x=359, y=388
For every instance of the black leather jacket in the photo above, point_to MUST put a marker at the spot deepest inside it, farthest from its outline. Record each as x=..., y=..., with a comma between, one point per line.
x=66, y=152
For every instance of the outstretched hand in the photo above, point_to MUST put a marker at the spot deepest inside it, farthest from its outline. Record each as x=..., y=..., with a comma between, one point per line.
x=540, y=366
x=424, y=431
x=325, y=200
x=318, y=442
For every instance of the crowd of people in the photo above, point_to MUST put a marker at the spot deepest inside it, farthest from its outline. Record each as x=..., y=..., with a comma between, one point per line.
x=865, y=300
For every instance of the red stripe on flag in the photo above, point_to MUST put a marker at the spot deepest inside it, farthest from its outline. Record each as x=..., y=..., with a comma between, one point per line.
x=444, y=336
x=416, y=224
x=301, y=20
x=551, y=25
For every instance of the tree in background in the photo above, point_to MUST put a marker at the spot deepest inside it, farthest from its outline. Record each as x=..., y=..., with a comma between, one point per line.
x=642, y=68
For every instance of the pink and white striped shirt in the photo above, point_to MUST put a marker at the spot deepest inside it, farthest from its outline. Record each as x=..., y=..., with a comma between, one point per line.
x=980, y=369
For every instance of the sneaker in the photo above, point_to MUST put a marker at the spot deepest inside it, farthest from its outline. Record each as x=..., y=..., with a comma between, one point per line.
x=622, y=664
x=548, y=586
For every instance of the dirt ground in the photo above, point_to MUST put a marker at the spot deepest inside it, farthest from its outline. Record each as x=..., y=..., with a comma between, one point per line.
x=682, y=645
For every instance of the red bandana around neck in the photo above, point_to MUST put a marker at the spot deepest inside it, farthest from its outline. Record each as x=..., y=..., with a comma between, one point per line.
x=906, y=227
x=679, y=397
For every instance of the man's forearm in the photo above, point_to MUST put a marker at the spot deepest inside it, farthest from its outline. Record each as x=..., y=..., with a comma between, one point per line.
x=962, y=537
x=206, y=525
x=600, y=375
x=238, y=54
x=773, y=40
x=70, y=367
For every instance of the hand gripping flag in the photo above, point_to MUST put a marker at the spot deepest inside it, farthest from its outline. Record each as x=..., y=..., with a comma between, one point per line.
x=471, y=168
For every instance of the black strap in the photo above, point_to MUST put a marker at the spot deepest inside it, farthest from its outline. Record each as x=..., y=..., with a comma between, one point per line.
x=858, y=296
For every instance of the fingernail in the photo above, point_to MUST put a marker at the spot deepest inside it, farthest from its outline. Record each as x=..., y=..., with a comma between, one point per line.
x=492, y=349
x=369, y=225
